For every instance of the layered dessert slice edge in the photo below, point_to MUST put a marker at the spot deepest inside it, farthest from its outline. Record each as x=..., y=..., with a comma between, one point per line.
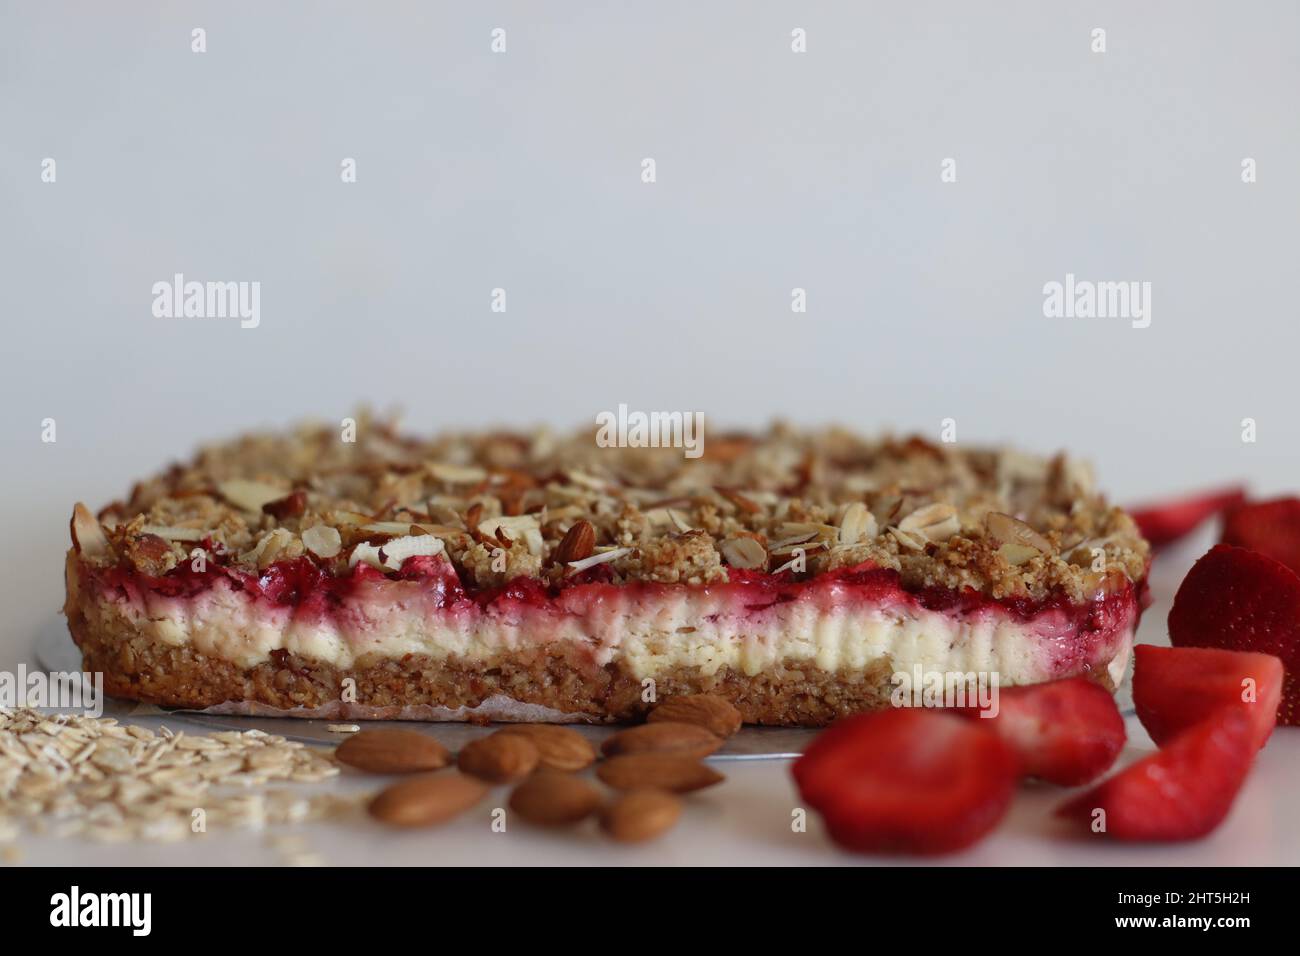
x=527, y=577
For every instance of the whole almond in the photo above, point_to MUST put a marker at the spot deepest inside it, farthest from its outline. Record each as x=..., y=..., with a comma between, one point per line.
x=671, y=772
x=552, y=799
x=558, y=748
x=689, y=740
x=500, y=758
x=426, y=800
x=713, y=713
x=578, y=543
x=392, y=751
x=640, y=815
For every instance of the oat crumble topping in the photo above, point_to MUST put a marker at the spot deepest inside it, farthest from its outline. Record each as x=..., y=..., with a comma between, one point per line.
x=501, y=506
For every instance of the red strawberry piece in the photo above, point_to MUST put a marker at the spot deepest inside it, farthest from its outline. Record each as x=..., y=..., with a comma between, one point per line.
x=1163, y=524
x=907, y=780
x=1242, y=601
x=1179, y=793
x=1176, y=687
x=1065, y=731
x=1269, y=527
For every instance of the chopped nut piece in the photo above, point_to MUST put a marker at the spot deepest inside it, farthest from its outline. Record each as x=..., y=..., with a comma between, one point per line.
x=249, y=495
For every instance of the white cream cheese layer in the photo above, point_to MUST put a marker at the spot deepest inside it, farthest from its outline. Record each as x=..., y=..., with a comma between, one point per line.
x=648, y=633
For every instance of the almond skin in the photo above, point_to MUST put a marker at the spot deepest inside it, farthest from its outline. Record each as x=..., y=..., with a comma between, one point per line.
x=499, y=758
x=671, y=772
x=665, y=736
x=392, y=751
x=554, y=799
x=578, y=542
x=558, y=748
x=426, y=800
x=291, y=505
x=715, y=714
x=640, y=815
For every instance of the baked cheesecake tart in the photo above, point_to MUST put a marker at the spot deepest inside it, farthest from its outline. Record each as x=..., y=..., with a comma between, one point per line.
x=538, y=577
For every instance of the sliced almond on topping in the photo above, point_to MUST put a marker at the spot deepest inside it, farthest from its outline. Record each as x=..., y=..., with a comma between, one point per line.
x=87, y=536
x=908, y=539
x=322, y=541
x=792, y=540
x=578, y=543
x=249, y=495
x=439, y=530
x=715, y=714
x=678, y=521
x=603, y=557
x=744, y=553
x=857, y=524
x=269, y=546
x=691, y=740
x=1018, y=554
x=456, y=474
x=806, y=547
x=397, y=529
x=174, y=534
x=1008, y=530
x=392, y=751
x=641, y=815
x=348, y=517
x=937, y=522
x=587, y=481
x=389, y=556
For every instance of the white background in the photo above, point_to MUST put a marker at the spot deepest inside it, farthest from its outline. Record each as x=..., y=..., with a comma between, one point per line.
x=522, y=170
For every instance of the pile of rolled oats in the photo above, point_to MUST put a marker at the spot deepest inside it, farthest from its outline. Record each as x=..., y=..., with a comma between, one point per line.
x=96, y=779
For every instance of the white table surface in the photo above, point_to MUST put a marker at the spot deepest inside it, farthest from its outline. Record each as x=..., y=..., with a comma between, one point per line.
x=744, y=821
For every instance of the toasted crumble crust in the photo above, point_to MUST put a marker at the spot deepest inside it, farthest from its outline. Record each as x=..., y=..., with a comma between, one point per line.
x=497, y=504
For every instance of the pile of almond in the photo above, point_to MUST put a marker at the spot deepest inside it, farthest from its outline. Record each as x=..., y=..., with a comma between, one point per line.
x=647, y=766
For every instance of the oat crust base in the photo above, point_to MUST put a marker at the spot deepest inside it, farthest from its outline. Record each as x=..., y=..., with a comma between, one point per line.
x=555, y=676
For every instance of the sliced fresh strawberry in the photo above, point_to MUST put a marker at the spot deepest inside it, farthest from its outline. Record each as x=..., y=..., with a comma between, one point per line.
x=907, y=781
x=1269, y=527
x=1179, y=793
x=1163, y=524
x=1242, y=601
x=1066, y=731
x=1176, y=687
